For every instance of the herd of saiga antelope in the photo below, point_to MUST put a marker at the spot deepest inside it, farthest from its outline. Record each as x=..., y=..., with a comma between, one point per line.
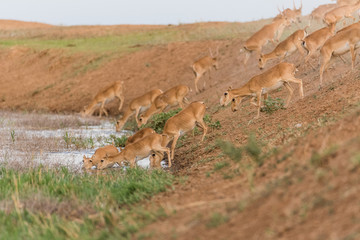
x=146, y=142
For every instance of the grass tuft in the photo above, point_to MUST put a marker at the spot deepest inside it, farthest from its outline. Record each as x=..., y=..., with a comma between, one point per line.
x=157, y=122
x=108, y=199
x=271, y=105
x=216, y=220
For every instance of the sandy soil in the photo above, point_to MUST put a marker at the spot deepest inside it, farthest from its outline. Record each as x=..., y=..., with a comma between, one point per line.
x=288, y=197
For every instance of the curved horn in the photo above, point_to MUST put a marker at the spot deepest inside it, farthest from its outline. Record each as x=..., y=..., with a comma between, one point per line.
x=294, y=5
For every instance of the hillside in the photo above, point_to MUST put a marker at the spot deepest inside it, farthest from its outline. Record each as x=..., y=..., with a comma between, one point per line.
x=301, y=180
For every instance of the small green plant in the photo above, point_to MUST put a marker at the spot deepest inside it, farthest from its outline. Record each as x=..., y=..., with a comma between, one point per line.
x=67, y=139
x=272, y=104
x=36, y=92
x=12, y=133
x=216, y=220
x=234, y=153
x=355, y=160
x=220, y=165
x=91, y=142
x=321, y=159
x=157, y=122
x=210, y=147
x=210, y=123
x=117, y=141
x=180, y=141
x=253, y=148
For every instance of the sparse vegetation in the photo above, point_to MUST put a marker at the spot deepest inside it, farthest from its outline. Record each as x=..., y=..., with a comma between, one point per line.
x=355, y=160
x=216, y=220
x=12, y=134
x=230, y=150
x=253, y=149
x=272, y=104
x=321, y=159
x=209, y=122
x=220, y=165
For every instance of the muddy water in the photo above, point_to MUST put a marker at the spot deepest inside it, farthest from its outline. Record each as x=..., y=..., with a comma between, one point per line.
x=47, y=138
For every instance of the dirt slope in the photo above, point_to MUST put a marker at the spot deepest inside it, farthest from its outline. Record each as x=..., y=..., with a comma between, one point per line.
x=307, y=188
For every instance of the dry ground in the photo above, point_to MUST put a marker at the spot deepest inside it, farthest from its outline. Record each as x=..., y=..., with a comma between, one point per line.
x=308, y=186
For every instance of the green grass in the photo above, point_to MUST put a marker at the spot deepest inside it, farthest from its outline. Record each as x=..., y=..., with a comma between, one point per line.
x=117, y=141
x=107, y=201
x=135, y=39
x=253, y=148
x=321, y=159
x=234, y=153
x=157, y=122
x=271, y=105
x=216, y=220
x=210, y=123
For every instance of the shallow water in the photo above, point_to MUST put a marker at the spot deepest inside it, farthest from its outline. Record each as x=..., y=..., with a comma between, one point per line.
x=36, y=143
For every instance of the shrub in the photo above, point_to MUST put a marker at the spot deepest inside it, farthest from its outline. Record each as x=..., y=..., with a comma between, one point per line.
x=271, y=105
x=157, y=122
x=210, y=123
x=321, y=159
x=252, y=149
x=117, y=141
x=230, y=150
x=216, y=220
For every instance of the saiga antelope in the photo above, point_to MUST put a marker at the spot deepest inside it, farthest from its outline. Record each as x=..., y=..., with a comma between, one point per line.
x=316, y=40
x=285, y=48
x=172, y=97
x=346, y=2
x=292, y=14
x=337, y=14
x=270, y=32
x=203, y=65
x=156, y=157
x=319, y=12
x=114, y=90
x=351, y=26
x=139, y=135
x=183, y=122
x=98, y=155
x=136, y=151
x=277, y=76
x=138, y=105
x=338, y=45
